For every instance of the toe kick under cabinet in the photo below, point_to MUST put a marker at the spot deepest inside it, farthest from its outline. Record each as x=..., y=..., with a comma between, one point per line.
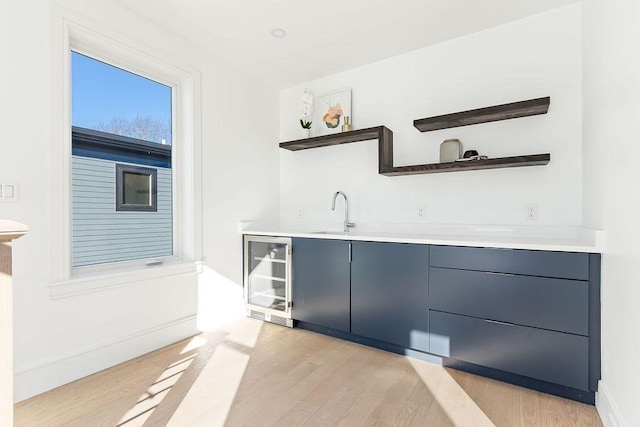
x=534, y=314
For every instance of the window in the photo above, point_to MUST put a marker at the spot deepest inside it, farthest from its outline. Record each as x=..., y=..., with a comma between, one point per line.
x=121, y=168
x=136, y=188
x=178, y=162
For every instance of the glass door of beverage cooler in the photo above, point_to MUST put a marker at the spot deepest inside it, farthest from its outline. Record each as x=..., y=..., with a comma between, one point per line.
x=268, y=274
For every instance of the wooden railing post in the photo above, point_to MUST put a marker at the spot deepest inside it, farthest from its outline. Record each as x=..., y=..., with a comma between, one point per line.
x=9, y=231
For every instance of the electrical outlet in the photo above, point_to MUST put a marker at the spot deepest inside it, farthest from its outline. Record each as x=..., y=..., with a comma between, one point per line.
x=301, y=213
x=421, y=211
x=531, y=213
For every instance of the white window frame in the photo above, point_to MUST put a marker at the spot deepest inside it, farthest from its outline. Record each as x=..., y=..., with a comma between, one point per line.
x=186, y=167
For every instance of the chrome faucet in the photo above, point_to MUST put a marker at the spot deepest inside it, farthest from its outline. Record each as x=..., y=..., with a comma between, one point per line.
x=347, y=224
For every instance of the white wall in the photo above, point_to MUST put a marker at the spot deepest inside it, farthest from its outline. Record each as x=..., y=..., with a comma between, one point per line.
x=612, y=193
x=533, y=57
x=58, y=340
x=240, y=163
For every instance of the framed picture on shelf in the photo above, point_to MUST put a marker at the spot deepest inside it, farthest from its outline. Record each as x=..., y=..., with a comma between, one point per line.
x=332, y=108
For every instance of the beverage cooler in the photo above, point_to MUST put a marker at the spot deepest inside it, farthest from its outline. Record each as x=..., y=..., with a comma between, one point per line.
x=267, y=278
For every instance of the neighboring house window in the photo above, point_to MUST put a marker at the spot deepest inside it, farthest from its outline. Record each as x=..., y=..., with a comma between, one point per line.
x=136, y=188
x=121, y=166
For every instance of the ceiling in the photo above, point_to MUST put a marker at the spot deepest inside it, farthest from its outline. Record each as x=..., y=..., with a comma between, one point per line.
x=325, y=38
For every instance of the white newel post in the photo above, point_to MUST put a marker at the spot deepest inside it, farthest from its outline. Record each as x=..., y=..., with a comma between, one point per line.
x=9, y=230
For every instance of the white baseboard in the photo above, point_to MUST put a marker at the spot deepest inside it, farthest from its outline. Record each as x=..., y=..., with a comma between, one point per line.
x=50, y=374
x=607, y=408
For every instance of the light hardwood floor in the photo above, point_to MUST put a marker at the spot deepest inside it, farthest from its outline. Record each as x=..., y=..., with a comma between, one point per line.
x=250, y=373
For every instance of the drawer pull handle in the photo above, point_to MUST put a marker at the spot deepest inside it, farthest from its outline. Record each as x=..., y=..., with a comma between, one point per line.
x=498, y=323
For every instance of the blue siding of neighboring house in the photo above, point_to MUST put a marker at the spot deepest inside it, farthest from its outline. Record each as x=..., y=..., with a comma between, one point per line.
x=103, y=235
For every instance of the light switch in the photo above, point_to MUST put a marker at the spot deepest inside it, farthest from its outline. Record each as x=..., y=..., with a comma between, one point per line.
x=8, y=191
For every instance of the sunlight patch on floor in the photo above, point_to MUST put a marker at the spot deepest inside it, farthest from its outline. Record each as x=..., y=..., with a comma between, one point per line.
x=150, y=399
x=196, y=342
x=219, y=300
x=244, y=332
x=220, y=309
x=209, y=400
x=456, y=403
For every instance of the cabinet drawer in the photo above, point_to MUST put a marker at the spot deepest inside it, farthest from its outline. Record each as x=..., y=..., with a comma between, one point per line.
x=556, y=304
x=545, y=355
x=566, y=265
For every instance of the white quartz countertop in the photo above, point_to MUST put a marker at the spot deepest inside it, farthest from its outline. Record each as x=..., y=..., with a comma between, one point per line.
x=563, y=239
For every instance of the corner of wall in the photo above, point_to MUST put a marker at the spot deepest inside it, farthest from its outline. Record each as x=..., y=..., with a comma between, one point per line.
x=607, y=408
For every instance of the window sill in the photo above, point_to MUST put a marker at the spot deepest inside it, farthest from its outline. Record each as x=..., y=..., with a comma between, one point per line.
x=97, y=282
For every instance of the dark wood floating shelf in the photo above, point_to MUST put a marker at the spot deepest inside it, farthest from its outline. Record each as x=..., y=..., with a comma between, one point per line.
x=384, y=136
x=381, y=133
x=530, y=107
x=499, y=162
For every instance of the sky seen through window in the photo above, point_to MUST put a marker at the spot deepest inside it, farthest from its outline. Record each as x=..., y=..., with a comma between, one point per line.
x=113, y=100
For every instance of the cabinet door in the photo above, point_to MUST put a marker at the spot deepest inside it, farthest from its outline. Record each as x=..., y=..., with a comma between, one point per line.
x=321, y=282
x=389, y=293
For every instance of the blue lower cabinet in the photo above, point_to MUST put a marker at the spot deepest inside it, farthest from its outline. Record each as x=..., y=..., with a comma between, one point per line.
x=528, y=317
x=321, y=282
x=541, y=354
x=389, y=291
